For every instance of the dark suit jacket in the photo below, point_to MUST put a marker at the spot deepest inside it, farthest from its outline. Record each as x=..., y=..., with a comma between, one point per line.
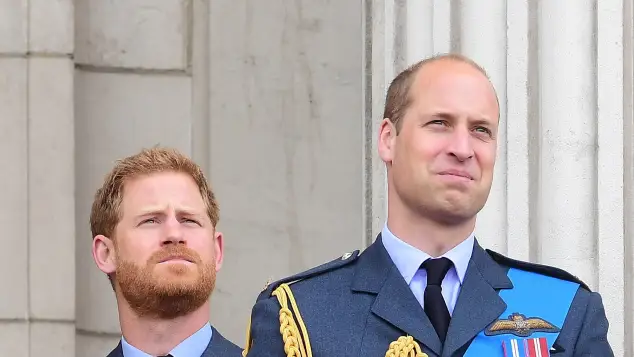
x=358, y=304
x=218, y=347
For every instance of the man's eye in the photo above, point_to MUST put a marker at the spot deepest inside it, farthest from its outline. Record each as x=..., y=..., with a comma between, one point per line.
x=484, y=130
x=149, y=220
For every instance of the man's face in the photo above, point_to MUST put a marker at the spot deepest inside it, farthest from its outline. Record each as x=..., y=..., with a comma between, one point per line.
x=441, y=162
x=167, y=250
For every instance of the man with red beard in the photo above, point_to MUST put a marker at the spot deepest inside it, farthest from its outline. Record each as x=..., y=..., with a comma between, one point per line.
x=153, y=223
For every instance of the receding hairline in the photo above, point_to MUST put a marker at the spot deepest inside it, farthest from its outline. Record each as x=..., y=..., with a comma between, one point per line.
x=448, y=58
x=402, y=84
x=459, y=59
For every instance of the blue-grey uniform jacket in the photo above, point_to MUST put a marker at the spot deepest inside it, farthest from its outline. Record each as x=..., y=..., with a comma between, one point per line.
x=360, y=305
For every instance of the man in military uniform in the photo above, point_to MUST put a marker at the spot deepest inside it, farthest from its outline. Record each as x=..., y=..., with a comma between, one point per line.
x=426, y=287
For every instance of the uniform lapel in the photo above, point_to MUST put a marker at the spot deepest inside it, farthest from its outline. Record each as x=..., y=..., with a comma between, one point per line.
x=478, y=303
x=395, y=302
x=219, y=346
x=117, y=352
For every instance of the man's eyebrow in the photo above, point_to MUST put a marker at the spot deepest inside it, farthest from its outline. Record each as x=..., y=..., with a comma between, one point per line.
x=151, y=212
x=161, y=211
x=482, y=121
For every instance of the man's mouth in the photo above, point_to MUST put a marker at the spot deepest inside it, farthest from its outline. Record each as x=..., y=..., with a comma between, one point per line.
x=176, y=258
x=458, y=173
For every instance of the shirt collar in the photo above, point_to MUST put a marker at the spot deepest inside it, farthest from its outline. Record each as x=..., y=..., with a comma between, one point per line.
x=194, y=345
x=408, y=259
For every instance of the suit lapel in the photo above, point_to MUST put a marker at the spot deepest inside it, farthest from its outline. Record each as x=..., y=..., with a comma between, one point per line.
x=395, y=302
x=212, y=348
x=117, y=352
x=478, y=303
x=219, y=346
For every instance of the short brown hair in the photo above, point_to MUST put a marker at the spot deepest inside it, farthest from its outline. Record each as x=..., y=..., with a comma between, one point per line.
x=398, y=94
x=106, y=208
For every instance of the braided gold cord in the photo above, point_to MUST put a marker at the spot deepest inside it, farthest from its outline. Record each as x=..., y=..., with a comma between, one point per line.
x=296, y=342
x=405, y=346
x=247, y=345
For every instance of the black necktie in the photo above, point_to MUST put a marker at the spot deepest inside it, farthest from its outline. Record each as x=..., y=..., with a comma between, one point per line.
x=434, y=304
x=165, y=356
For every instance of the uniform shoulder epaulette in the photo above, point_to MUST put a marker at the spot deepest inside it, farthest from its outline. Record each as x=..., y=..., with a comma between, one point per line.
x=536, y=268
x=318, y=270
x=292, y=328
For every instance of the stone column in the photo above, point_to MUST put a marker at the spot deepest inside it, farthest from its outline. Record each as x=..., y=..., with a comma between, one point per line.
x=564, y=188
x=485, y=42
x=37, y=269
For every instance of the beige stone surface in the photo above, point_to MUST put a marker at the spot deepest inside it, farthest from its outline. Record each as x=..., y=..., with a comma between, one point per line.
x=53, y=339
x=149, y=34
x=95, y=345
x=14, y=192
x=286, y=152
x=51, y=189
x=51, y=26
x=14, y=339
x=13, y=26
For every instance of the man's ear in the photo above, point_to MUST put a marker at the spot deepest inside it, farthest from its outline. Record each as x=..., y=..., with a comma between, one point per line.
x=104, y=254
x=219, y=249
x=386, y=140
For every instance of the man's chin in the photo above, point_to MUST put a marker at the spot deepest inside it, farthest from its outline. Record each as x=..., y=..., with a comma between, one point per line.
x=165, y=290
x=178, y=289
x=172, y=281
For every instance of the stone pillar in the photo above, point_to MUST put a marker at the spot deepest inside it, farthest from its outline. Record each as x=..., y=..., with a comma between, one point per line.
x=519, y=122
x=485, y=42
x=567, y=137
x=628, y=172
x=37, y=314
x=564, y=188
x=612, y=182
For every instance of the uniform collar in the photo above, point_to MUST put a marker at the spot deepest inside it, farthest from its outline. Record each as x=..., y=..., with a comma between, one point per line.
x=408, y=259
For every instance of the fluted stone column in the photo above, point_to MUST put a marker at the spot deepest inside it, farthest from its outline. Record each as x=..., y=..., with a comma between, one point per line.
x=563, y=191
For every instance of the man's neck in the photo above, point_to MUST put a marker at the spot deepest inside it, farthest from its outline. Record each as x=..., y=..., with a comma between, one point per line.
x=427, y=235
x=158, y=337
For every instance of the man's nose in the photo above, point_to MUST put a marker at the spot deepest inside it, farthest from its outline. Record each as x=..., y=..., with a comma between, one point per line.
x=173, y=232
x=460, y=146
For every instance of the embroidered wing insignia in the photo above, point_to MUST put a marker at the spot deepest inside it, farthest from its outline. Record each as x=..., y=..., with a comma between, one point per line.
x=519, y=325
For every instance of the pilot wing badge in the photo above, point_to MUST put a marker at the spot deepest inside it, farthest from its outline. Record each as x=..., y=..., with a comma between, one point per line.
x=520, y=326
x=531, y=347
